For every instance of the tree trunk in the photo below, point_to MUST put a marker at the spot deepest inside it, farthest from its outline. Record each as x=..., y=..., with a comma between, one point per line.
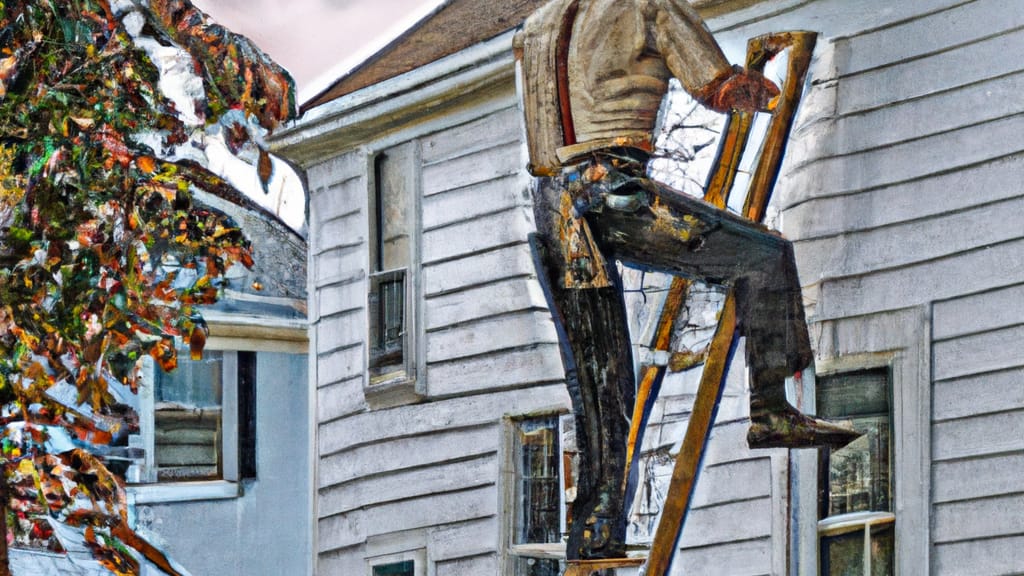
x=5, y=564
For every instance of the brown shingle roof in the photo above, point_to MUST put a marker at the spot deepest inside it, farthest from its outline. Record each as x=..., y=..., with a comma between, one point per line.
x=456, y=25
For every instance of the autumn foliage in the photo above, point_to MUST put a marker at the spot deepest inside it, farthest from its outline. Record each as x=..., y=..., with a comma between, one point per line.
x=104, y=254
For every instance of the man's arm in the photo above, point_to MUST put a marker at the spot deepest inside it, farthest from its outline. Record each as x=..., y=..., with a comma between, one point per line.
x=693, y=56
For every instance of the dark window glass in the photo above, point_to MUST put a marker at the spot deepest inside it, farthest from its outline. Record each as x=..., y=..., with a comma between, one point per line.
x=859, y=474
x=395, y=569
x=538, y=485
x=387, y=325
x=247, y=414
x=857, y=478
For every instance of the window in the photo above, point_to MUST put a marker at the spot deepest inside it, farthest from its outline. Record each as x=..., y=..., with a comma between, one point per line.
x=543, y=464
x=198, y=421
x=400, y=563
x=396, y=569
x=856, y=527
x=391, y=318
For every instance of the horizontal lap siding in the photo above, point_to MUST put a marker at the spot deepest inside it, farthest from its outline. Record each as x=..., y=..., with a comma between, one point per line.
x=409, y=483
x=345, y=530
x=737, y=510
x=736, y=522
x=429, y=472
x=990, y=557
x=977, y=439
x=486, y=319
x=901, y=191
x=404, y=453
x=469, y=566
x=736, y=519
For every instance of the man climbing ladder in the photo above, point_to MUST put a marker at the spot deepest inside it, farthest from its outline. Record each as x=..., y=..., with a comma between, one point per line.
x=595, y=72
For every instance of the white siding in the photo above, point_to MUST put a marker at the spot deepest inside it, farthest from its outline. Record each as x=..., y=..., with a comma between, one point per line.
x=900, y=190
x=903, y=194
x=427, y=474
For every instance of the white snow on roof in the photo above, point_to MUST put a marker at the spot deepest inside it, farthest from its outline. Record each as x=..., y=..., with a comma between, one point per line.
x=179, y=82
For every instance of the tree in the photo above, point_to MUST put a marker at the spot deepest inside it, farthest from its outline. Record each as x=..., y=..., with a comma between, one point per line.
x=104, y=255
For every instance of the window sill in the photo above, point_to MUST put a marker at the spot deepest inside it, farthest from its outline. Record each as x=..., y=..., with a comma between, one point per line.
x=184, y=491
x=554, y=551
x=391, y=393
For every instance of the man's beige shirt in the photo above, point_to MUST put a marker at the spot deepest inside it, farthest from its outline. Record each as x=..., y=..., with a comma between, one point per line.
x=620, y=57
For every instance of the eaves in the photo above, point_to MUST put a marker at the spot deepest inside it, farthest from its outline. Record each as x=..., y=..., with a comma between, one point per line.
x=346, y=122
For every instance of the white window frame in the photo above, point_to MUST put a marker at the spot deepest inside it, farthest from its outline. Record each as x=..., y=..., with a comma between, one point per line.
x=406, y=387
x=147, y=489
x=901, y=341
x=542, y=551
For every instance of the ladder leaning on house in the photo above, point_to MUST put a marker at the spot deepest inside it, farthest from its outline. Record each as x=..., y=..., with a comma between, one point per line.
x=760, y=51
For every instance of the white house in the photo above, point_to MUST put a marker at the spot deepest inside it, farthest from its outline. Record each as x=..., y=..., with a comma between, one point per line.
x=439, y=388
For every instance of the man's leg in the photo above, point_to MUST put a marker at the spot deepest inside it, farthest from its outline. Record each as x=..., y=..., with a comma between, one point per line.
x=670, y=232
x=598, y=359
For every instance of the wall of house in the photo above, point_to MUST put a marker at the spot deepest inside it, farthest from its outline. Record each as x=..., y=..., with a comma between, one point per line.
x=897, y=180
x=901, y=193
x=432, y=475
x=265, y=530
x=426, y=475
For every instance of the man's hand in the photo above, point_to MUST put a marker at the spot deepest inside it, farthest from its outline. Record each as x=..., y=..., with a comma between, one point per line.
x=744, y=91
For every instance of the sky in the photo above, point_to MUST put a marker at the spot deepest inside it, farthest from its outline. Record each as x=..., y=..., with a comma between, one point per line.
x=316, y=38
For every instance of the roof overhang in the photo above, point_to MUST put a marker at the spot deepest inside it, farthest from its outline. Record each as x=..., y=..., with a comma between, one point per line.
x=362, y=111
x=476, y=73
x=449, y=27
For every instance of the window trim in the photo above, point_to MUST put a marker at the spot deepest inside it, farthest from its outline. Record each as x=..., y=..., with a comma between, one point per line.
x=901, y=341
x=229, y=485
x=168, y=492
x=408, y=387
x=511, y=551
x=418, y=557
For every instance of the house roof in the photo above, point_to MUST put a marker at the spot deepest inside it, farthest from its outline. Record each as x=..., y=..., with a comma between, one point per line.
x=452, y=27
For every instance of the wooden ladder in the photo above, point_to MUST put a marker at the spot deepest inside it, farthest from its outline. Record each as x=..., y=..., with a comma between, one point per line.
x=684, y=474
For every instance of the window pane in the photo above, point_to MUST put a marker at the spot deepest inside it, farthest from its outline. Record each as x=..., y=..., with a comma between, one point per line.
x=247, y=414
x=883, y=550
x=395, y=569
x=859, y=477
x=392, y=196
x=854, y=394
x=537, y=567
x=843, y=555
x=538, y=489
x=859, y=472
x=187, y=415
x=387, y=323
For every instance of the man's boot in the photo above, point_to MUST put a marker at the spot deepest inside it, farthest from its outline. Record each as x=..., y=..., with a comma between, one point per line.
x=775, y=423
x=778, y=346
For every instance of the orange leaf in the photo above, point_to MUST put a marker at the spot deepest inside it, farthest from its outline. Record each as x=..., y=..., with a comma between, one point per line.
x=146, y=164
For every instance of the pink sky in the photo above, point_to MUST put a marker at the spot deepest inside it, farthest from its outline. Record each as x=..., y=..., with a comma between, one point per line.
x=310, y=37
